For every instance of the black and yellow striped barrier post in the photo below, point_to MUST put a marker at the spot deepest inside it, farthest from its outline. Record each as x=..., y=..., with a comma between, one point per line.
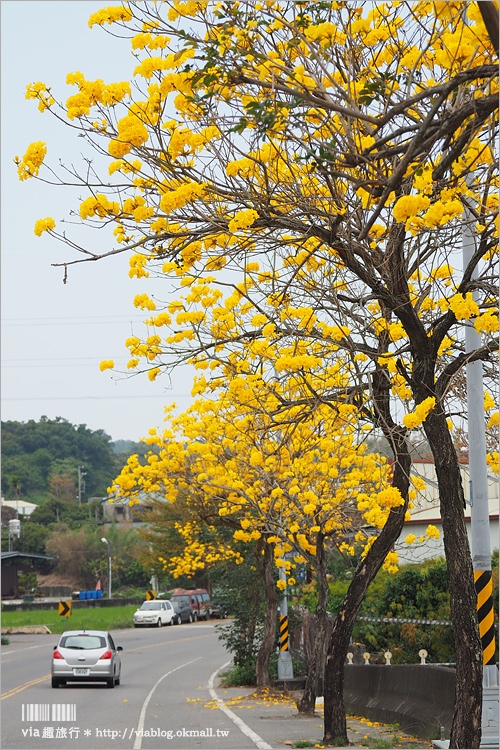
x=284, y=633
x=484, y=593
x=285, y=667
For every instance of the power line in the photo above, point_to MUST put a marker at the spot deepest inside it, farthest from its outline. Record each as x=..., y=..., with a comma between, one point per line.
x=95, y=364
x=71, y=317
x=69, y=322
x=93, y=398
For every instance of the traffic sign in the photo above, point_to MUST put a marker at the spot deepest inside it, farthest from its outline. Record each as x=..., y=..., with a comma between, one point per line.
x=150, y=595
x=64, y=609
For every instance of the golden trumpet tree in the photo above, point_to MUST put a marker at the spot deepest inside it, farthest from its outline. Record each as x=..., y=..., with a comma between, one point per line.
x=303, y=173
x=298, y=486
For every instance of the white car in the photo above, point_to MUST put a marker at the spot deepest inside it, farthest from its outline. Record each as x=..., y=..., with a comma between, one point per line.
x=155, y=613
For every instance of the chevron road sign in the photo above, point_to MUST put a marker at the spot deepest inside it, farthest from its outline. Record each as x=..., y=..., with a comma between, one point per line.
x=64, y=609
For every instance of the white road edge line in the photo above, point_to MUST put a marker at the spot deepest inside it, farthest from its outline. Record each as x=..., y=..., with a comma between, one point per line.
x=256, y=739
x=142, y=717
x=21, y=650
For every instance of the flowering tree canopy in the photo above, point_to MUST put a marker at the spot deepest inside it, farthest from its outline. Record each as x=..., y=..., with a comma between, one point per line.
x=303, y=173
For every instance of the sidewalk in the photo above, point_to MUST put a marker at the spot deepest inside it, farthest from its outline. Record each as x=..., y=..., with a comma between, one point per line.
x=273, y=716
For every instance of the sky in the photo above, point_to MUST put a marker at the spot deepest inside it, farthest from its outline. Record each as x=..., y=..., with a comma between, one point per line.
x=54, y=335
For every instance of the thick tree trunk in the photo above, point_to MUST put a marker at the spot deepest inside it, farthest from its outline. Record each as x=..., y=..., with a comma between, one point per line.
x=335, y=726
x=307, y=703
x=265, y=564
x=466, y=723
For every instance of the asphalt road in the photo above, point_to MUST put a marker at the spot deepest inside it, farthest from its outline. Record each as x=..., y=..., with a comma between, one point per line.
x=167, y=679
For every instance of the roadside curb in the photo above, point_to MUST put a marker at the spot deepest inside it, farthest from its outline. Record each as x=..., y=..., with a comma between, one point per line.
x=26, y=629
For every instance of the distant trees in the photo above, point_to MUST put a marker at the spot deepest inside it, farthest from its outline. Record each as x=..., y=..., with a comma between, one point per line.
x=82, y=557
x=41, y=459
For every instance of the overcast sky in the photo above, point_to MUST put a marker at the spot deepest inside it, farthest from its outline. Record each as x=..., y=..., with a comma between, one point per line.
x=54, y=335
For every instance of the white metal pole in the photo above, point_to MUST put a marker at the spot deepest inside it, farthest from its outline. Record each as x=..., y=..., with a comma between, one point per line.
x=480, y=517
x=109, y=571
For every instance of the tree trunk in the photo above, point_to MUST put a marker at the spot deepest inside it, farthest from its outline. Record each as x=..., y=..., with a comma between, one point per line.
x=335, y=726
x=307, y=703
x=466, y=723
x=265, y=564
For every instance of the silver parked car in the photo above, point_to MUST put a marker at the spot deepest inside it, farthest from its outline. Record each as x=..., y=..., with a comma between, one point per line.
x=155, y=612
x=86, y=656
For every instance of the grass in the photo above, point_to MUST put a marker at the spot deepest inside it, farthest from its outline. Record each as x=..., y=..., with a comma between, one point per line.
x=305, y=743
x=93, y=618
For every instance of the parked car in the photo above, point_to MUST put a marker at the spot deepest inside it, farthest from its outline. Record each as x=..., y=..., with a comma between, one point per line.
x=154, y=613
x=86, y=656
x=197, y=598
x=183, y=612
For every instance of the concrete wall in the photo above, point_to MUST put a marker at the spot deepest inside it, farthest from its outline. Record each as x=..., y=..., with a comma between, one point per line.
x=75, y=604
x=418, y=697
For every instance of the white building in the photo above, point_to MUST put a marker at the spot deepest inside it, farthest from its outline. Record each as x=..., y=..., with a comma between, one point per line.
x=426, y=511
x=22, y=507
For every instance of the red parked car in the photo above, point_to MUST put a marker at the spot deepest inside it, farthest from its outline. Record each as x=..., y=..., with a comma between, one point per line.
x=197, y=598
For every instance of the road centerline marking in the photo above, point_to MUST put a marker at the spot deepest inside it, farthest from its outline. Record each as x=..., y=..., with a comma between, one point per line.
x=167, y=643
x=25, y=685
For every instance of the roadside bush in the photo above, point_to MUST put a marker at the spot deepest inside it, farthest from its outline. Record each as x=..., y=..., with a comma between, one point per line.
x=238, y=592
x=414, y=592
x=136, y=575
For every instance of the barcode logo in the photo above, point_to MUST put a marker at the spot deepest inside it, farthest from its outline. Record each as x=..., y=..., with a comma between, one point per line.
x=48, y=712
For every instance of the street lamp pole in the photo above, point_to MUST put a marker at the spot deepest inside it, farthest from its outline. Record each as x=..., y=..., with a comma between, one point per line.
x=480, y=517
x=103, y=539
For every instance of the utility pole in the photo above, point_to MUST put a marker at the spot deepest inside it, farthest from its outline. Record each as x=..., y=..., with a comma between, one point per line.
x=480, y=517
x=81, y=483
x=285, y=667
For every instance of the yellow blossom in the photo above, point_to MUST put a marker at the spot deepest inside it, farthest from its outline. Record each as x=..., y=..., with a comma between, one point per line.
x=44, y=225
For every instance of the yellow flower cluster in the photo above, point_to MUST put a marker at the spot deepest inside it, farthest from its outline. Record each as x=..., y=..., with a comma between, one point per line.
x=110, y=15
x=137, y=263
x=463, y=306
x=417, y=417
x=409, y=206
x=40, y=91
x=487, y=322
x=144, y=302
x=492, y=459
x=44, y=225
x=100, y=206
x=131, y=132
x=178, y=197
x=187, y=8
x=106, y=364
x=92, y=93
x=158, y=41
x=150, y=65
x=442, y=212
x=242, y=220
x=31, y=161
